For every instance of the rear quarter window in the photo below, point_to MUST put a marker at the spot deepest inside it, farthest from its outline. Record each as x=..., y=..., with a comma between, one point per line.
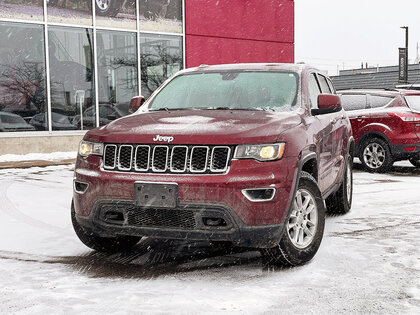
x=379, y=101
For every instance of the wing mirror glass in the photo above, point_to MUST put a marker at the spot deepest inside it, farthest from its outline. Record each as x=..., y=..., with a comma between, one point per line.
x=327, y=103
x=136, y=102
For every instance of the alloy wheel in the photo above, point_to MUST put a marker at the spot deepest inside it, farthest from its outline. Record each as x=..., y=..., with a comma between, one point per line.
x=374, y=155
x=103, y=4
x=302, y=224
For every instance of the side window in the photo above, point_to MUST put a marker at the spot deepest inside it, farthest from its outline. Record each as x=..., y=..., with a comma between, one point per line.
x=332, y=88
x=354, y=101
x=379, y=101
x=324, y=85
x=314, y=90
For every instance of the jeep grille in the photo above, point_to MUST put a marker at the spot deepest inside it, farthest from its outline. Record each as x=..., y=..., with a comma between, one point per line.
x=167, y=158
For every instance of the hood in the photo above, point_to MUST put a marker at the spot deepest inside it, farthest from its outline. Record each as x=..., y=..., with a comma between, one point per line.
x=197, y=127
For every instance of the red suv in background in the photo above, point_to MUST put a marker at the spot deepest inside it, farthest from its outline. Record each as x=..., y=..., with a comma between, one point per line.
x=386, y=126
x=245, y=153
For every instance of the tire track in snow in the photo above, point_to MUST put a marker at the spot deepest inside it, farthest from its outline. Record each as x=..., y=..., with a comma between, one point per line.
x=7, y=206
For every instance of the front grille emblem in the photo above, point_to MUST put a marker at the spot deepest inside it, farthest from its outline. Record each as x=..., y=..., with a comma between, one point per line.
x=163, y=138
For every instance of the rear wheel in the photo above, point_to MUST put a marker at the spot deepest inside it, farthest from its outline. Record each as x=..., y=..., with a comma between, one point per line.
x=304, y=228
x=340, y=201
x=415, y=162
x=375, y=155
x=102, y=244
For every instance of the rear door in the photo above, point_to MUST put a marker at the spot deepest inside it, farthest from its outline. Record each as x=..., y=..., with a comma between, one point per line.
x=357, y=110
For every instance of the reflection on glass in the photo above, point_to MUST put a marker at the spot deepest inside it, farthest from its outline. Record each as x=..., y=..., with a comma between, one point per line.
x=71, y=77
x=77, y=12
x=22, y=75
x=161, y=15
x=22, y=9
x=117, y=74
x=161, y=57
x=116, y=13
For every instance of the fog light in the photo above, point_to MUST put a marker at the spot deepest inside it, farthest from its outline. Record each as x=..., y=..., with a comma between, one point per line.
x=259, y=194
x=80, y=187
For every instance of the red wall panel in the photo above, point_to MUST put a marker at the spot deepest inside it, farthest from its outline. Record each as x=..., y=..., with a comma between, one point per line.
x=216, y=50
x=246, y=31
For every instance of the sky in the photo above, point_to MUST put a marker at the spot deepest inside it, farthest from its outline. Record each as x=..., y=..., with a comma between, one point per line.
x=341, y=34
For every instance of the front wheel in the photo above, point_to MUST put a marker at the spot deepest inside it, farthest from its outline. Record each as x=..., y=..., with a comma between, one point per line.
x=415, y=162
x=102, y=244
x=375, y=155
x=304, y=228
x=340, y=201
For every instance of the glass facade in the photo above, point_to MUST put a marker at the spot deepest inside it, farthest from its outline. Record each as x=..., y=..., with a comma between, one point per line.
x=78, y=66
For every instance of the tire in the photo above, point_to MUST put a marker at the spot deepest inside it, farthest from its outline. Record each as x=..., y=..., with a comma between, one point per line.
x=297, y=246
x=107, y=7
x=415, y=162
x=102, y=244
x=340, y=201
x=375, y=155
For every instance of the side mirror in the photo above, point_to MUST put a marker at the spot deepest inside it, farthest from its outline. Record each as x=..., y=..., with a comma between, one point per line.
x=327, y=103
x=136, y=102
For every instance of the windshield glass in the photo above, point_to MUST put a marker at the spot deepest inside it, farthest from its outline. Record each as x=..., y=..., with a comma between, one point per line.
x=229, y=90
x=414, y=102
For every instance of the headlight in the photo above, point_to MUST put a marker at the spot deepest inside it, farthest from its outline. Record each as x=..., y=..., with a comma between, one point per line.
x=260, y=152
x=87, y=148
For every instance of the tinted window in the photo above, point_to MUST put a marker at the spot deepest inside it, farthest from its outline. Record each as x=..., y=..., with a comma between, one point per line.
x=354, y=101
x=378, y=101
x=161, y=57
x=117, y=69
x=235, y=90
x=324, y=85
x=71, y=74
x=414, y=102
x=314, y=90
x=22, y=72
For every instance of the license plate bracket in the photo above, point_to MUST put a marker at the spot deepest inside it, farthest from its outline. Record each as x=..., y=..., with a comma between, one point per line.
x=159, y=195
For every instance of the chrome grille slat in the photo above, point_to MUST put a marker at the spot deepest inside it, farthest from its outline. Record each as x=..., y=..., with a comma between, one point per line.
x=159, y=158
x=142, y=158
x=125, y=157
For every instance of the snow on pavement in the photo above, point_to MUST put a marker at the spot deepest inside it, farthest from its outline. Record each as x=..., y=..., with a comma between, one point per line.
x=368, y=261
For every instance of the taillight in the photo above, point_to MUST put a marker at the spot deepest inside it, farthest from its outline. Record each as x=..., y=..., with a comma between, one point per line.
x=410, y=117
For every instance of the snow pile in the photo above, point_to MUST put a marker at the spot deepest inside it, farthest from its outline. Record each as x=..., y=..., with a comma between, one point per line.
x=55, y=156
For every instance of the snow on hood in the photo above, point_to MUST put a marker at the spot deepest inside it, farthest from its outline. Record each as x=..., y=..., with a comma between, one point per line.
x=197, y=127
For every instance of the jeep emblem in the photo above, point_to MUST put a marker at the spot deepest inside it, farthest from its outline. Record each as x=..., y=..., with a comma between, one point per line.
x=163, y=138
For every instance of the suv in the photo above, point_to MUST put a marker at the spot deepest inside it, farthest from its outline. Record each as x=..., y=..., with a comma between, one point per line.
x=245, y=153
x=386, y=126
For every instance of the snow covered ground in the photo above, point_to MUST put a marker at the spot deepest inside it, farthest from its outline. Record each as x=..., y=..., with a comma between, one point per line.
x=369, y=260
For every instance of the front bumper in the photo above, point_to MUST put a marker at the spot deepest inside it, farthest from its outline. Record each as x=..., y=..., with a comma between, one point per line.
x=248, y=223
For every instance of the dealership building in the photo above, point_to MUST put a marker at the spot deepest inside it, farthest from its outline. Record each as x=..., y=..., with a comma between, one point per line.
x=67, y=66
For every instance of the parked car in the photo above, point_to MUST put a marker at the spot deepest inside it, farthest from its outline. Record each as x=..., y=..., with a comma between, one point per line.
x=12, y=122
x=107, y=113
x=245, y=153
x=59, y=122
x=102, y=7
x=386, y=126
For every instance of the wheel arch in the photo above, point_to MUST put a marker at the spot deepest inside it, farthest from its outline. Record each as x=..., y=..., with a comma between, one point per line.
x=373, y=134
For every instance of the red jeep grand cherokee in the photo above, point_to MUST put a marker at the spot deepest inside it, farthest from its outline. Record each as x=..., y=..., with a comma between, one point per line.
x=245, y=153
x=386, y=126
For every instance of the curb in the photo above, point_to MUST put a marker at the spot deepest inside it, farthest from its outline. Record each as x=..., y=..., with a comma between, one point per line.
x=34, y=163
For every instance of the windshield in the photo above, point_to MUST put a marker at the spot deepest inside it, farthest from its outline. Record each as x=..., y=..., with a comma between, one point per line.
x=229, y=90
x=414, y=102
